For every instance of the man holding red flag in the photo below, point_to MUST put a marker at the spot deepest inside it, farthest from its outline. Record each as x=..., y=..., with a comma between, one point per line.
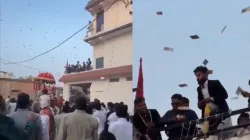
x=145, y=120
x=139, y=90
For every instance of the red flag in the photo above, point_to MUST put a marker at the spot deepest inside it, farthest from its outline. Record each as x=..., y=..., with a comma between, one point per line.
x=139, y=91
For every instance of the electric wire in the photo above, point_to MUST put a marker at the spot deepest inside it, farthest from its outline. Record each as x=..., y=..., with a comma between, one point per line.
x=29, y=67
x=60, y=44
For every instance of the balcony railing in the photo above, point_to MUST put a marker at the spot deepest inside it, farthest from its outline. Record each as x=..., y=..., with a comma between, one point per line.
x=214, y=135
x=89, y=34
x=69, y=70
x=86, y=66
x=218, y=134
x=91, y=30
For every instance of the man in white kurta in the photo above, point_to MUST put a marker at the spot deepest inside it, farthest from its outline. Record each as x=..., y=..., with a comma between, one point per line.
x=45, y=127
x=112, y=118
x=12, y=107
x=101, y=115
x=121, y=129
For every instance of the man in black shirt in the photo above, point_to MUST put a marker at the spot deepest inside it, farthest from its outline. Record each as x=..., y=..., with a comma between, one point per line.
x=146, y=120
x=179, y=114
x=188, y=115
x=170, y=117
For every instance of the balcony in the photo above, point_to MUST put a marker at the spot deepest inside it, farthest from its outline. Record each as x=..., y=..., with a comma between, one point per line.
x=91, y=31
x=98, y=74
x=94, y=38
x=94, y=6
x=223, y=132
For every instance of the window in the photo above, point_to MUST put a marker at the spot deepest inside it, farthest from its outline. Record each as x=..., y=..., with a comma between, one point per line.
x=128, y=78
x=99, y=21
x=99, y=63
x=114, y=80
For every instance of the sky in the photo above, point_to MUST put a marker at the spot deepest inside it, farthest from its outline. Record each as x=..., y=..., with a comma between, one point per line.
x=29, y=28
x=227, y=53
x=41, y=25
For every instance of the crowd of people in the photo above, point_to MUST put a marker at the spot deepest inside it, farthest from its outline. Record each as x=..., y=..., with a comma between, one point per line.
x=45, y=120
x=70, y=68
x=211, y=101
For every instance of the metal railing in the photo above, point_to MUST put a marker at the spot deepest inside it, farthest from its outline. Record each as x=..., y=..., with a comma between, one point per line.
x=224, y=129
x=219, y=116
x=90, y=30
x=193, y=122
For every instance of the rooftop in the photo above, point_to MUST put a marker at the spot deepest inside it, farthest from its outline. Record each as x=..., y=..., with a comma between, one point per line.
x=122, y=71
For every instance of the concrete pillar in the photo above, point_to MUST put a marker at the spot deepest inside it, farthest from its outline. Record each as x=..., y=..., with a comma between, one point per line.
x=66, y=92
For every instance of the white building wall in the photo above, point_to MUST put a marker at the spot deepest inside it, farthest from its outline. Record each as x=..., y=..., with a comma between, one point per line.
x=116, y=52
x=6, y=75
x=66, y=91
x=114, y=92
x=107, y=91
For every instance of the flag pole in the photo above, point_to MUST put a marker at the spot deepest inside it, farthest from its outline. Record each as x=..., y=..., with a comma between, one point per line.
x=139, y=89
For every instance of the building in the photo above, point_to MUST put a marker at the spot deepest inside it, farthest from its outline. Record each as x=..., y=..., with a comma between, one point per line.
x=110, y=35
x=12, y=87
x=4, y=74
x=9, y=86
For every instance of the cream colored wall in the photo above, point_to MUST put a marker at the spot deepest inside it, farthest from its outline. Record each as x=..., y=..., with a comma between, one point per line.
x=116, y=52
x=115, y=16
x=107, y=91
